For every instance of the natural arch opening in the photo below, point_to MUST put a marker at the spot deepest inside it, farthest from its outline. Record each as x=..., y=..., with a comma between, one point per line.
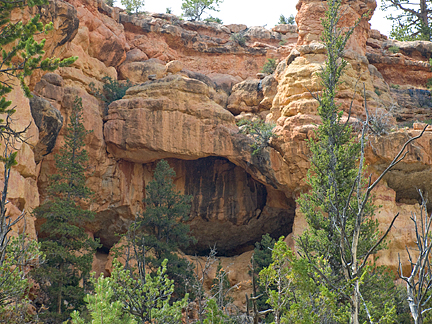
x=230, y=209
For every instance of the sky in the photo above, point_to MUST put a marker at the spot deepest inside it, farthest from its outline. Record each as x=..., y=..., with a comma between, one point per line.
x=256, y=12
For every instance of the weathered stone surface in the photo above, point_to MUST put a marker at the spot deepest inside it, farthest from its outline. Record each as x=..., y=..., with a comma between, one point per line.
x=138, y=72
x=236, y=28
x=174, y=67
x=107, y=39
x=230, y=209
x=245, y=97
x=224, y=81
x=49, y=122
x=65, y=21
x=309, y=25
x=171, y=117
x=414, y=104
x=199, y=76
x=408, y=67
x=182, y=117
x=285, y=29
x=135, y=55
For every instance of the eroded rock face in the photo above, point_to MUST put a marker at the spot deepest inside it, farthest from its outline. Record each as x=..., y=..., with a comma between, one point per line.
x=173, y=115
x=407, y=67
x=49, y=122
x=190, y=78
x=231, y=210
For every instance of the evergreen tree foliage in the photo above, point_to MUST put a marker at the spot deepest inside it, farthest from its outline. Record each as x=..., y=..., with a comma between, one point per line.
x=341, y=233
x=261, y=259
x=111, y=91
x=259, y=131
x=21, y=55
x=194, y=9
x=286, y=20
x=334, y=158
x=148, y=297
x=158, y=233
x=21, y=254
x=69, y=250
x=133, y=6
x=102, y=306
x=269, y=66
x=413, y=20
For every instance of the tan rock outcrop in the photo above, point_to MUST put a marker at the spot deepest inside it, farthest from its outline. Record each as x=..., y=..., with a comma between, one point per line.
x=138, y=72
x=172, y=117
x=186, y=117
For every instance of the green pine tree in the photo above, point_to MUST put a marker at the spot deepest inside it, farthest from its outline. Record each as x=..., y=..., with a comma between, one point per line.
x=411, y=20
x=261, y=259
x=158, y=233
x=342, y=233
x=21, y=54
x=68, y=249
x=194, y=9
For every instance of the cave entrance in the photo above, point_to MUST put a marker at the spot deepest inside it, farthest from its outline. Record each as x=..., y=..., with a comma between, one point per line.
x=230, y=210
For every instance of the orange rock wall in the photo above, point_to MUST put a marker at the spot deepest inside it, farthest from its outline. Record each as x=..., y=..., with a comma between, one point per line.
x=192, y=82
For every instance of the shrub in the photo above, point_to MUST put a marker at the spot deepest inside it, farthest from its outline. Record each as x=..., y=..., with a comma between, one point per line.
x=214, y=19
x=132, y=6
x=429, y=83
x=111, y=91
x=269, y=66
x=238, y=38
x=378, y=92
x=110, y=3
x=286, y=21
x=393, y=49
x=260, y=131
x=193, y=9
x=380, y=122
x=395, y=86
x=168, y=10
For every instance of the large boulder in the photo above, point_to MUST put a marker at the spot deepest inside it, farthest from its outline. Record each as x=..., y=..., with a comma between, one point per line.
x=138, y=72
x=49, y=122
x=171, y=117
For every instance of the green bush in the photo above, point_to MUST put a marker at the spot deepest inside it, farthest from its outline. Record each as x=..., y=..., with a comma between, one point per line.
x=238, y=38
x=260, y=131
x=269, y=66
x=110, y=3
x=214, y=19
x=395, y=86
x=286, y=21
x=133, y=6
x=111, y=91
x=393, y=49
x=429, y=83
x=194, y=9
x=380, y=122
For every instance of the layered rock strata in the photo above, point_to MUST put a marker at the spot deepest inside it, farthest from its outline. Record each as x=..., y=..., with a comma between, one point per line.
x=191, y=82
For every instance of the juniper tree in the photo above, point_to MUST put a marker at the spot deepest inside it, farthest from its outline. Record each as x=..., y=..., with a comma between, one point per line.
x=21, y=55
x=342, y=233
x=158, y=233
x=68, y=248
x=194, y=9
x=412, y=21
